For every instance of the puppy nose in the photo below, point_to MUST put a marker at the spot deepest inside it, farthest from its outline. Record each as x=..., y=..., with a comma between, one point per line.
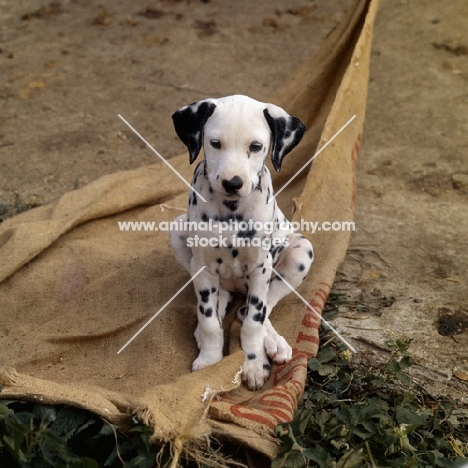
x=233, y=185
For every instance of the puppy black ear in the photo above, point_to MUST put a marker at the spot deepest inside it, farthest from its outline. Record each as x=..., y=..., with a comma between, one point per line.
x=286, y=131
x=189, y=122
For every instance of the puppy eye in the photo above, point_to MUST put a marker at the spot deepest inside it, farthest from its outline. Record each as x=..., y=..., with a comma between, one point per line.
x=255, y=147
x=216, y=144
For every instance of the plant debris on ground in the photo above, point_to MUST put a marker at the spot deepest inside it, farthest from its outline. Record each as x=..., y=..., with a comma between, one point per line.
x=354, y=417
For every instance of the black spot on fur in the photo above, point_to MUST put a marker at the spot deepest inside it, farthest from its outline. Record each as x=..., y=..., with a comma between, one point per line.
x=247, y=234
x=208, y=312
x=259, y=185
x=213, y=290
x=235, y=253
x=254, y=300
x=251, y=356
x=204, y=295
x=219, y=260
x=231, y=204
x=310, y=254
x=192, y=196
x=301, y=267
x=267, y=367
x=276, y=250
x=259, y=317
x=204, y=217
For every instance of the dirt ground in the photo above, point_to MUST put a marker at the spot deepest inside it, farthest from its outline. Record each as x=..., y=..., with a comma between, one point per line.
x=70, y=67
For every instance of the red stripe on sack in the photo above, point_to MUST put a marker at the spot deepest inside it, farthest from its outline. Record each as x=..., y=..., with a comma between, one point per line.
x=285, y=377
x=299, y=386
x=244, y=413
x=301, y=337
x=322, y=293
x=310, y=319
x=281, y=400
x=282, y=411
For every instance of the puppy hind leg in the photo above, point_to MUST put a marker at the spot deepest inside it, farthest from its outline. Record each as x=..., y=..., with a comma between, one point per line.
x=290, y=269
x=292, y=266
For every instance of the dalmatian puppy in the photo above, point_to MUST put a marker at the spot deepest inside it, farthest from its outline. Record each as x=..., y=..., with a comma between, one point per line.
x=239, y=233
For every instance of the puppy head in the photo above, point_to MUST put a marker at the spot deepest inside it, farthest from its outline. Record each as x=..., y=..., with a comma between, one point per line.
x=237, y=133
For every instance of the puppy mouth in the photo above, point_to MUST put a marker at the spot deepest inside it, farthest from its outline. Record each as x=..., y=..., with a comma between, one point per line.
x=231, y=196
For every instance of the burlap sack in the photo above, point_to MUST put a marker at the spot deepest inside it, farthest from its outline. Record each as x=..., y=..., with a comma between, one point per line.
x=74, y=288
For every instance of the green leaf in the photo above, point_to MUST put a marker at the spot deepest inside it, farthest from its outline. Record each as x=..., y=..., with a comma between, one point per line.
x=292, y=459
x=85, y=463
x=107, y=429
x=314, y=365
x=351, y=459
x=321, y=419
x=326, y=355
x=405, y=362
x=319, y=455
x=410, y=416
x=70, y=420
x=328, y=370
x=45, y=413
x=4, y=411
x=306, y=419
x=402, y=377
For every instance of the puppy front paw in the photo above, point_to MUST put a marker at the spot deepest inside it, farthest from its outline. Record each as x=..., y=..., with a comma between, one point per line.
x=205, y=359
x=277, y=348
x=255, y=371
